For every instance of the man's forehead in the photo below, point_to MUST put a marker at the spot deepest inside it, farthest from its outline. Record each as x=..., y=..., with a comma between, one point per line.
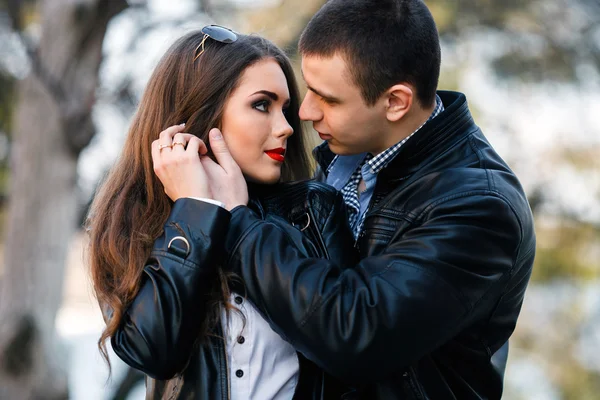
x=327, y=73
x=318, y=60
x=325, y=67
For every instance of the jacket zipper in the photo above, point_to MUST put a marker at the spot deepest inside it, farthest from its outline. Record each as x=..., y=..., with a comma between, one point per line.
x=226, y=368
x=412, y=385
x=221, y=336
x=368, y=213
x=360, y=235
x=319, y=239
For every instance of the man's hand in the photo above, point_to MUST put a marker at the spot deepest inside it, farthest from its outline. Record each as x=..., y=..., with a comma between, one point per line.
x=225, y=179
x=176, y=160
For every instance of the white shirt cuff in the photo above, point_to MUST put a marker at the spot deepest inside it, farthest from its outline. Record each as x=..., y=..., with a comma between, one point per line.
x=211, y=201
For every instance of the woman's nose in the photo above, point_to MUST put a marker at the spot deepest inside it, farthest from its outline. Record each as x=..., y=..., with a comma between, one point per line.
x=283, y=127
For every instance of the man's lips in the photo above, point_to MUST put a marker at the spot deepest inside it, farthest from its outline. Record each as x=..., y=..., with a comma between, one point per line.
x=277, y=154
x=324, y=136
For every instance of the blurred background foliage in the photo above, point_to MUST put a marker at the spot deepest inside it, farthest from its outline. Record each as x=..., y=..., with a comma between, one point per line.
x=531, y=72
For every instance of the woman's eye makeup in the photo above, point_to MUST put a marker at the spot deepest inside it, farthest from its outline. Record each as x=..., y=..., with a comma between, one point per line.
x=262, y=105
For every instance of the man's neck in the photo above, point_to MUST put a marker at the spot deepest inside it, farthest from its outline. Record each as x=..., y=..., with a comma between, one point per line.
x=405, y=127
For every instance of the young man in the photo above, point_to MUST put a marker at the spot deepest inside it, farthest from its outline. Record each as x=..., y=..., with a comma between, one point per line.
x=442, y=224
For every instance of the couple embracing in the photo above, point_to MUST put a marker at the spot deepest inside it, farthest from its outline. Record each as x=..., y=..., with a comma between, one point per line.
x=397, y=272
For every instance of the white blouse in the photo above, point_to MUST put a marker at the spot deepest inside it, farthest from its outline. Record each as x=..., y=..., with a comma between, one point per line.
x=261, y=364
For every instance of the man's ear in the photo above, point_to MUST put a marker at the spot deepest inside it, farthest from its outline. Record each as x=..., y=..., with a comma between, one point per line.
x=399, y=100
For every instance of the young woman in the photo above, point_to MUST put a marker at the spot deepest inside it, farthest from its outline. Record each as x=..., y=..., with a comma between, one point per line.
x=157, y=263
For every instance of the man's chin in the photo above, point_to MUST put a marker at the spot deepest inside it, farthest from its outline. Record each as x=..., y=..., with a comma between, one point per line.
x=341, y=150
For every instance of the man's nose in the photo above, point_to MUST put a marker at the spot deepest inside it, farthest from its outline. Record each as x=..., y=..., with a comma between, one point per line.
x=309, y=109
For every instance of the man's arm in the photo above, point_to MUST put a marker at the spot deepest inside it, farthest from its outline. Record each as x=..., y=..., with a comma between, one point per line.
x=390, y=309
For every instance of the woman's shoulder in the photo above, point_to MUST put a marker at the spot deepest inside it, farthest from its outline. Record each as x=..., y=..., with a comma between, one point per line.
x=315, y=209
x=292, y=188
x=287, y=197
x=300, y=203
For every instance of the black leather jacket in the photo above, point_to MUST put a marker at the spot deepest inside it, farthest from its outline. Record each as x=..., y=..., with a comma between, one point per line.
x=446, y=254
x=160, y=331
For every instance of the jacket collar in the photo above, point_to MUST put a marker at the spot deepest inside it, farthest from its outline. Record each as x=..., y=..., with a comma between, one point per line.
x=435, y=137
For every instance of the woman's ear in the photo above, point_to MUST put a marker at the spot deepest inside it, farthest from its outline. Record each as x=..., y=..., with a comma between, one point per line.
x=399, y=100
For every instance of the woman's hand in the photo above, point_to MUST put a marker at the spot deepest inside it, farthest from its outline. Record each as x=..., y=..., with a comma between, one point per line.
x=176, y=158
x=226, y=181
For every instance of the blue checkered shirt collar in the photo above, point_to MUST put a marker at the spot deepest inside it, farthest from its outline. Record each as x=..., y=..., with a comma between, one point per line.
x=376, y=164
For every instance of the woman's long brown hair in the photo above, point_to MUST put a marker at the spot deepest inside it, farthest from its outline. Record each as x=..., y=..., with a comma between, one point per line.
x=131, y=207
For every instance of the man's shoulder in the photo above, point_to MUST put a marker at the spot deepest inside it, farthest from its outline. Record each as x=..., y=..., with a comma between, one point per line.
x=453, y=185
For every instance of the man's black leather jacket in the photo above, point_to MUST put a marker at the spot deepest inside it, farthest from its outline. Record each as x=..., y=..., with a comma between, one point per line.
x=446, y=254
x=159, y=333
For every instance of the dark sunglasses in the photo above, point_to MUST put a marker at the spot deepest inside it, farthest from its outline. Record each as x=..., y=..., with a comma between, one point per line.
x=218, y=33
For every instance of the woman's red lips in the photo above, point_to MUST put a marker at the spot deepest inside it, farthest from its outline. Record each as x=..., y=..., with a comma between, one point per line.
x=277, y=154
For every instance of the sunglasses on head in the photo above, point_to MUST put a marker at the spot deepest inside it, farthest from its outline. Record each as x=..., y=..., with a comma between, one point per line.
x=218, y=33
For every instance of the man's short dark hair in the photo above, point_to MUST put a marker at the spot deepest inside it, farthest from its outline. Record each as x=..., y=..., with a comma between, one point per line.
x=384, y=42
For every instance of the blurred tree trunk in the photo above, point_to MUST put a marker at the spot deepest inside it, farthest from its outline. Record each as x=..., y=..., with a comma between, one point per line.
x=51, y=126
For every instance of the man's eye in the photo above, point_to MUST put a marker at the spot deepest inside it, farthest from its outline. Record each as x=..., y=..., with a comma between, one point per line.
x=327, y=100
x=262, y=105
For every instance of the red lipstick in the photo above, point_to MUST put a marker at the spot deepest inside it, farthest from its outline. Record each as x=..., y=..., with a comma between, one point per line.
x=277, y=154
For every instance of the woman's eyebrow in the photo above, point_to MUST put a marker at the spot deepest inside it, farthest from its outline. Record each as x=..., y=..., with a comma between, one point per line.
x=268, y=93
x=272, y=95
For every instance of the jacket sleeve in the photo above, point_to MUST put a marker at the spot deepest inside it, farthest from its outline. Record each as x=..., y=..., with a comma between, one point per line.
x=390, y=309
x=164, y=320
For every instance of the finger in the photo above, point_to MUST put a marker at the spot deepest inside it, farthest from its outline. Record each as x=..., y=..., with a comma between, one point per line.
x=179, y=143
x=155, y=155
x=221, y=152
x=168, y=133
x=166, y=136
x=187, y=137
x=196, y=146
x=213, y=171
x=212, y=168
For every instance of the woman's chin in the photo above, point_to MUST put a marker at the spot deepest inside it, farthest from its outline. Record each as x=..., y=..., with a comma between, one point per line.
x=264, y=179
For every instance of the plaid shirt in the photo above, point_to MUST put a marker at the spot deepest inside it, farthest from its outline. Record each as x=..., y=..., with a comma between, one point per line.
x=372, y=165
